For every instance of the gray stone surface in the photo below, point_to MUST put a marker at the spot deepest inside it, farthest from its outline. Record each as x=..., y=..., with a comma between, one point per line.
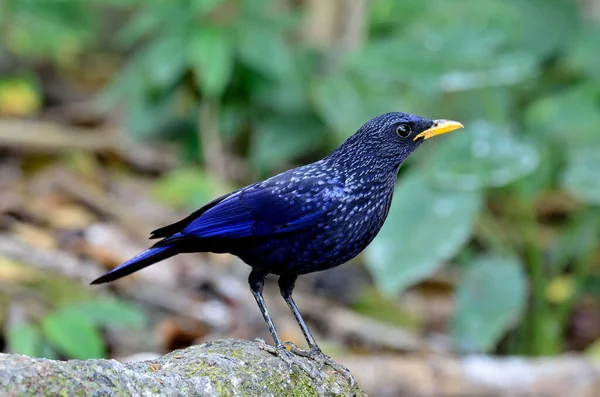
x=221, y=368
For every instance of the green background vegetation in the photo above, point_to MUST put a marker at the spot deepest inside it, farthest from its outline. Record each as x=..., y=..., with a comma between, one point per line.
x=245, y=89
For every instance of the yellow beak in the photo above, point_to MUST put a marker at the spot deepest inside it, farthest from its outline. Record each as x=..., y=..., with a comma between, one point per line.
x=439, y=127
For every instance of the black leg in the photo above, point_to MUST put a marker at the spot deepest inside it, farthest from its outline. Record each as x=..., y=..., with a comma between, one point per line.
x=286, y=286
x=257, y=281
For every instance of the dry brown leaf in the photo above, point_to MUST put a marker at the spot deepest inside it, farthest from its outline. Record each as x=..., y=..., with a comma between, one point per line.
x=155, y=367
x=555, y=203
x=104, y=255
x=175, y=332
x=35, y=236
x=43, y=204
x=71, y=216
x=14, y=272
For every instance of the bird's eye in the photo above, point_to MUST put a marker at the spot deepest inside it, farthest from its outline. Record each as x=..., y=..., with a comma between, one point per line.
x=403, y=130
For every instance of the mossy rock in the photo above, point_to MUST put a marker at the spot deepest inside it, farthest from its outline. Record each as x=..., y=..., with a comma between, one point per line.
x=222, y=368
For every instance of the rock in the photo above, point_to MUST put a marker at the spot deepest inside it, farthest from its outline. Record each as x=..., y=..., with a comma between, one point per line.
x=221, y=368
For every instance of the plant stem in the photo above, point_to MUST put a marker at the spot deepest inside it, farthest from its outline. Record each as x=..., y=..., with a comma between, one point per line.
x=210, y=137
x=538, y=338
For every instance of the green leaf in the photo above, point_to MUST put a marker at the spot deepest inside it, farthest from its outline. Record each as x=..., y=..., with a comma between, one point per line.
x=57, y=30
x=290, y=95
x=210, y=53
x=544, y=26
x=254, y=7
x=345, y=104
x=454, y=54
x=73, y=335
x=24, y=339
x=164, y=58
x=187, y=188
x=140, y=25
x=383, y=13
x=204, y=6
x=386, y=309
x=110, y=313
x=340, y=104
x=584, y=55
x=147, y=117
x=547, y=117
x=490, y=298
x=543, y=179
x=49, y=352
x=482, y=156
x=424, y=228
x=581, y=175
x=440, y=69
x=283, y=138
x=261, y=47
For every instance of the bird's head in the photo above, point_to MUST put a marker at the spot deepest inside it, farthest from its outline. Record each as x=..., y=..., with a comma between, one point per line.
x=391, y=137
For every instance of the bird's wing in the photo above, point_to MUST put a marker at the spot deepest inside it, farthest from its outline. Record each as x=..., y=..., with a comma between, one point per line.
x=170, y=230
x=265, y=209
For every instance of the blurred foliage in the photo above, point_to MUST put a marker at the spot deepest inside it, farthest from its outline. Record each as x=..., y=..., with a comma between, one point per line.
x=19, y=96
x=54, y=30
x=73, y=330
x=187, y=187
x=522, y=76
x=490, y=298
x=434, y=225
x=381, y=307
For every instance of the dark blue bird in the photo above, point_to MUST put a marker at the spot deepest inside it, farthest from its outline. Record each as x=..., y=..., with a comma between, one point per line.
x=303, y=220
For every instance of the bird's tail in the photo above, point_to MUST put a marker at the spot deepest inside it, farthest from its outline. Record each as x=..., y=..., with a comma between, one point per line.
x=146, y=258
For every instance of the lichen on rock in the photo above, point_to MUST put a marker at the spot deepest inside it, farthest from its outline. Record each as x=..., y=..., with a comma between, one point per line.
x=221, y=368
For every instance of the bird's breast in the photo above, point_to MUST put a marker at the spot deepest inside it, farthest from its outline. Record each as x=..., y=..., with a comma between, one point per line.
x=365, y=212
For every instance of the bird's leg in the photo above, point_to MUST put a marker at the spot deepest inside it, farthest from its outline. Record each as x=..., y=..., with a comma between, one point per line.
x=256, y=281
x=286, y=286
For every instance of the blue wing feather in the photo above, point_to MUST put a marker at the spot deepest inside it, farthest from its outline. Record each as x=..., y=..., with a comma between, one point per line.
x=265, y=209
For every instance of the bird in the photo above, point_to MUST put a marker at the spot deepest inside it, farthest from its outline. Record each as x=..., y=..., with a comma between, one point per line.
x=303, y=220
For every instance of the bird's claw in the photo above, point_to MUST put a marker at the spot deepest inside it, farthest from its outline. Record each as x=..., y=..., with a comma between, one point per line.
x=322, y=359
x=290, y=359
x=315, y=354
x=266, y=347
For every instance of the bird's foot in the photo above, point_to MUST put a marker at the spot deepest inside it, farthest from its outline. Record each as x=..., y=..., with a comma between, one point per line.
x=322, y=359
x=290, y=359
x=296, y=350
